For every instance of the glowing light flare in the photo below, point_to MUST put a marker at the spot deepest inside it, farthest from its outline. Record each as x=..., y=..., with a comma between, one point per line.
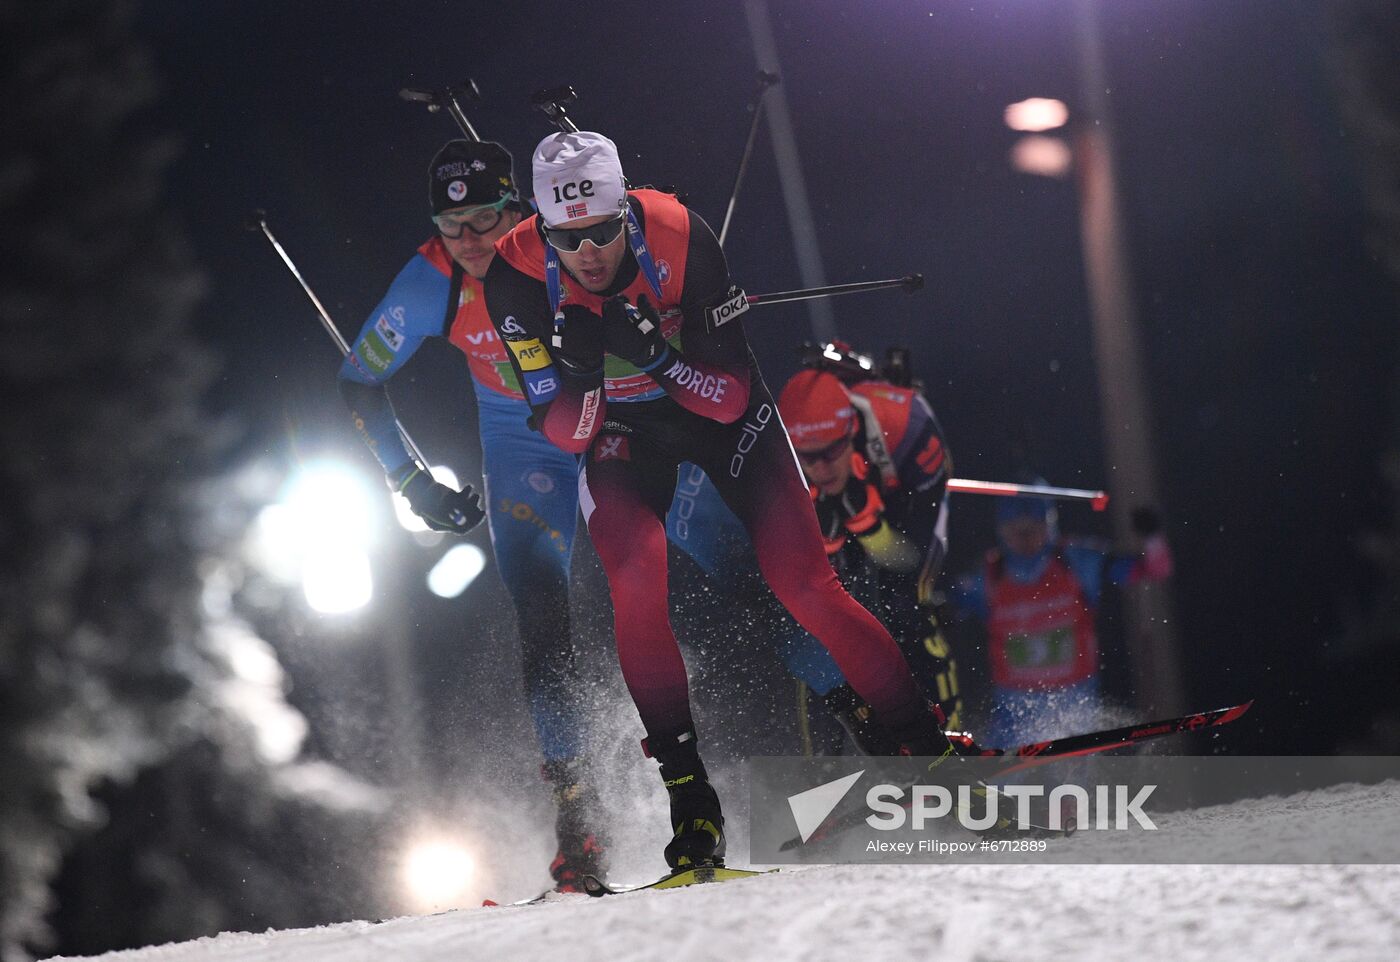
x=274, y=545
x=404, y=514
x=436, y=874
x=330, y=504
x=1041, y=155
x=1036, y=114
x=336, y=580
x=456, y=570
x=319, y=533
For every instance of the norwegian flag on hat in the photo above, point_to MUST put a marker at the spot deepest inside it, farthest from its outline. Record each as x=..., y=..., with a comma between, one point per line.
x=575, y=174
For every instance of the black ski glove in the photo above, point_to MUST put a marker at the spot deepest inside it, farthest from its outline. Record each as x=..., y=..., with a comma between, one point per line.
x=634, y=333
x=441, y=508
x=577, y=344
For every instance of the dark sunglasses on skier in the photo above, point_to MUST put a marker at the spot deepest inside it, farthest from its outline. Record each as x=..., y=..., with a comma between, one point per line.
x=570, y=239
x=827, y=455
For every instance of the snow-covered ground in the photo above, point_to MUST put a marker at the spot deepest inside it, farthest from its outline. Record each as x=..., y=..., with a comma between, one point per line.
x=1318, y=913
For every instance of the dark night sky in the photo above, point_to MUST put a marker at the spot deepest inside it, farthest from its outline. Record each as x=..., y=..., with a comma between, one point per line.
x=1269, y=331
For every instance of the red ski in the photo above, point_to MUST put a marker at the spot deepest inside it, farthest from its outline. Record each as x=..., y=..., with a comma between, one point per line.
x=1038, y=753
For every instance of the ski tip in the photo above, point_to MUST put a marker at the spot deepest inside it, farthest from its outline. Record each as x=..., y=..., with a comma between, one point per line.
x=1099, y=502
x=1235, y=712
x=489, y=903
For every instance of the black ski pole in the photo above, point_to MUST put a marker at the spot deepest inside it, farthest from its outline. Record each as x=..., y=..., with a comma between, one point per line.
x=449, y=99
x=740, y=302
x=910, y=282
x=257, y=221
x=552, y=102
x=765, y=80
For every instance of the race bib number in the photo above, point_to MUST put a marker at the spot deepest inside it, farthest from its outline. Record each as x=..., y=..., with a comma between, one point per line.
x=1051, y=650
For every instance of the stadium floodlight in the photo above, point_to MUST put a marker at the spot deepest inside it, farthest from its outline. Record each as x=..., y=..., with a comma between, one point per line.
x=319, y=532
x=1042, y=155
x=456, y=570
x=436, y=874
x=1036, y=114
x=336, y=581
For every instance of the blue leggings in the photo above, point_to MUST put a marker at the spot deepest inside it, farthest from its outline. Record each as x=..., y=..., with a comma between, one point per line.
x=532, y=508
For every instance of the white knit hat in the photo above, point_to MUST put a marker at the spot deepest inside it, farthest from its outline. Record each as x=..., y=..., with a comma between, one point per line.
x=577, y=175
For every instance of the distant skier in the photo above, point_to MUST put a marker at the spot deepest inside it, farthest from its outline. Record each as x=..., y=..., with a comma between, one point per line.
x=603, y=301
x=1037, y=594
x=878, y=466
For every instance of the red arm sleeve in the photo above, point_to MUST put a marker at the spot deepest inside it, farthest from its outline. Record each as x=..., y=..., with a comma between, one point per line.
x=574, y=416
x=710, y=375
x=565, y=405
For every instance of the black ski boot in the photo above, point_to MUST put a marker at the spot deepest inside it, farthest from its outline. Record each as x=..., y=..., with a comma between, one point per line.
x=696, y=819
x=924, y=737
x=858, y=718
x=582, y=849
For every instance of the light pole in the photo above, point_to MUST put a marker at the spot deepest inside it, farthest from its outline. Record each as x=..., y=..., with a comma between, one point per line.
x=1126, y=416
x=791, y=179
x=1127, y=419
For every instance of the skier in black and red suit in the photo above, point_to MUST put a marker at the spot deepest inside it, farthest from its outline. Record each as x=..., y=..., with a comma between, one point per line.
x=618, y=312
x=878, y=467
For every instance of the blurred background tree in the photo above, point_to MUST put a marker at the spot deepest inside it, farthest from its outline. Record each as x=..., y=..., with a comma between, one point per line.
x=127, y=680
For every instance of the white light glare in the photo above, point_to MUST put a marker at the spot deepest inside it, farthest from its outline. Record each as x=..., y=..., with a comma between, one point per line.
x=336, y=580
x=436, y=874
x=1036, y=114
x=330, y=503
x=319, y=533
x=275, y=545
x=406, y=518
x=456, y=570
x=1045, y=156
